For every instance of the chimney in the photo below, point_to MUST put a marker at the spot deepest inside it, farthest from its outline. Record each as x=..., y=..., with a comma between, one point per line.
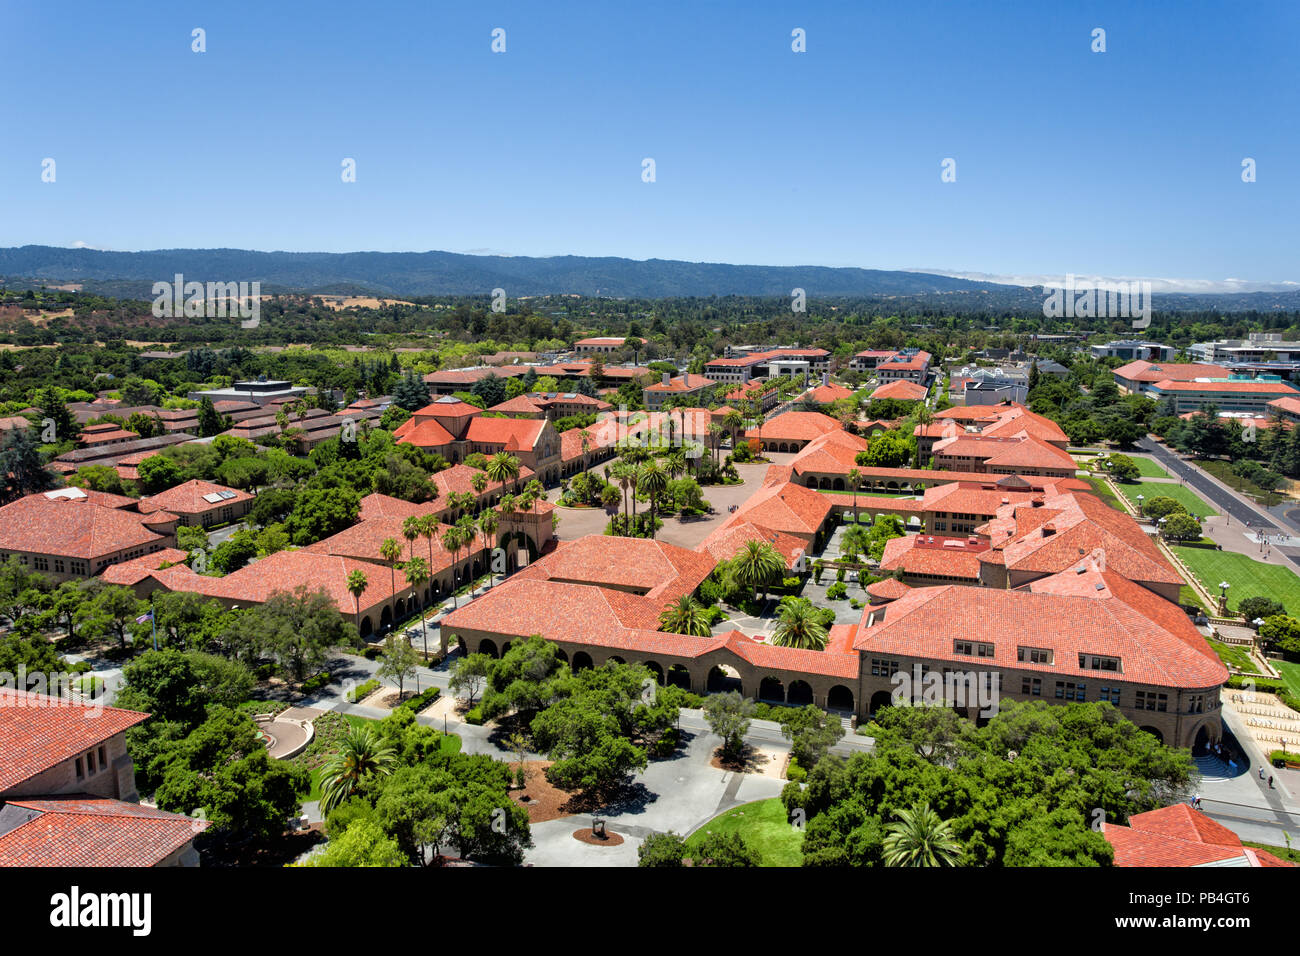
x=826, y=378
x=666, y=378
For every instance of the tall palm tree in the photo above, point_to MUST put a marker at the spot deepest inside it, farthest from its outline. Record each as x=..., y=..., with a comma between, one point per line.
x=621, y=473
x=417, y=573
x=411, y=531
x=452, y=540
x=733, y=422
x=856, y=542
x=391, y=552
x=428, y=525
x=686, y=616
x=715, y=434
x=797, y=626
x=502, y=467
x=488, y=522
x=756, y=565
x=357, y=584
x=654, y=480
x=855, y=478
x=363, y=753
x=675, y=462
x=535, y=491
x=479, y=482
x=920, y=838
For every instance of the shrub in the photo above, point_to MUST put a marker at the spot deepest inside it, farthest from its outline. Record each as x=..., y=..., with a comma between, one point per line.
x=316, y=682
x=855, y=604
x=1284, y=756
x=837, y=591
x=362, y=691
x=420, y=701
x=795, y=773
x=474, y=716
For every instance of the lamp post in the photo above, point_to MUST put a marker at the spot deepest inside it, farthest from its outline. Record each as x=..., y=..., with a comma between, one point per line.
x=1223, y=597
x=1140, y=499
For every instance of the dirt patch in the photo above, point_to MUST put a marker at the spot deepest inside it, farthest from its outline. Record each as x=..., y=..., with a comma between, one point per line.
x=540, y=798
x=751, y=760
x=387, y=698
x=609, y=839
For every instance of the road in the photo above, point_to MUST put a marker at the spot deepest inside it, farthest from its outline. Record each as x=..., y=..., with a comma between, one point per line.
x=1227, y=502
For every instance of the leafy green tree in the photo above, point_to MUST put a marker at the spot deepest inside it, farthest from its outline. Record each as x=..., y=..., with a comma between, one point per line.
x=1180, y=527
x=321, y=512
x=811, y=732
x=364, y=843
x=210, y=421
x=524, y=680
x=299, y=627
x=724, y=849
x=158, y=473
x=729, y=716
x=1162, y=506
x=22, y=467
x=399, y=662
x=1252, y=608
x=661, y=849
x=469, y=675
x=1123, y=468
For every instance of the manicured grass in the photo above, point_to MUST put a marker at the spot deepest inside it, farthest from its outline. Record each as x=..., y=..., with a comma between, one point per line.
x=1234, y=656
x=1247, y=577
x=1187, y=595
x=1290, y=673
x=1223, y=471
x=1149, y=468
x=1102, y=491
x=764, y=826
x=1155, y=489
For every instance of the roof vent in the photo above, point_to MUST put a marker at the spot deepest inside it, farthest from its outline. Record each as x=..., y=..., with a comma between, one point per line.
x=1101, y=586
x=1080, y=569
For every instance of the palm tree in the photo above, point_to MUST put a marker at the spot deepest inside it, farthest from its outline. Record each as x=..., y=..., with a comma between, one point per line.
x=733, y=422
x=508, y=505
x=715, y=433
x=621, y=473
x=756, y=564
x=488, y=522
x=391, y=552
x=675, y=462
x=502, y=467
x=363, y=753
x=685, y=617
x=479, y=483
x=428, y=527
x=856, y=541
x=417, y=573
x=921, y=839
x=535, y=491
x=855, y=478
x=451, y=540
x=357, y=584
x=654, y=481
x=411, y=531
x=797, y=626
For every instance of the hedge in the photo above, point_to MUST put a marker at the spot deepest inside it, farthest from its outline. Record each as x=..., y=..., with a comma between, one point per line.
x=362, y=691
x=420, y=701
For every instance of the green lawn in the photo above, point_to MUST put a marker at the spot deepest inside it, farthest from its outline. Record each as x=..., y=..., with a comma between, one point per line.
x=1247, y=577
x=1234, y=655
x=1290, y=673
x=1282, y=852
x=1187, y=595
x=765, y=826
x=1149, y=468
x=1102, y=491
x=1155, y=489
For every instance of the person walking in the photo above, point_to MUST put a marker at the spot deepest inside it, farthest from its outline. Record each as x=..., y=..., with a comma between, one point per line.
x=1261, y=773
x=1270, y=781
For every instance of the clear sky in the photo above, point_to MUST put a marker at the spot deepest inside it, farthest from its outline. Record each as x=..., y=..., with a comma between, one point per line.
x=1123, y=163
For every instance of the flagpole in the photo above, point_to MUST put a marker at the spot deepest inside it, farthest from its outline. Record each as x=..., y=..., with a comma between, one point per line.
x=153, y=622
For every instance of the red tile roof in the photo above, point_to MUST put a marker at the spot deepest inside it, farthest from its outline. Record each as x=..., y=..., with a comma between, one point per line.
x=386, y=506
x=512, y=434
x=1177, y=835
x=364, y=539
x=825, y=394
x=82, y=830
x=785, y=506
x=187, y=498
x=459, y=479
x=795, y=426
x=38, y=732
x=730, y=538
x=902, y=390
x=75, y=527
x=660, y=570
x=1151, y=372
x=914, y=554
x=1150, y=636
x=130, y=573
x=1244, y=388
x=423, y=433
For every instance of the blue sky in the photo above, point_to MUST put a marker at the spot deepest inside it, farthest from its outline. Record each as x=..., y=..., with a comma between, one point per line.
x=1123, y=163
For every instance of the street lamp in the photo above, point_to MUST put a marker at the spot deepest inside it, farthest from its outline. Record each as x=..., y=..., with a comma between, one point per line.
x=1223, y=597
x=1140, y=499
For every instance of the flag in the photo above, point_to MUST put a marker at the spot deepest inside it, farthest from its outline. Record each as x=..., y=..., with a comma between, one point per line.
x=145, y=617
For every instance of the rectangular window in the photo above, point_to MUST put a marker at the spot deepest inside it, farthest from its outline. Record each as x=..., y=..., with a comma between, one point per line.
x=985, y=650
x=90, y=761
x=963, y=647
x=1031, y=686
x=103, y=761
x=1033, y=655
x=81, y=774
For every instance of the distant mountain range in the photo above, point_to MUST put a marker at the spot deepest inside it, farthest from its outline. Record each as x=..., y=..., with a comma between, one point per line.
x=132, y=274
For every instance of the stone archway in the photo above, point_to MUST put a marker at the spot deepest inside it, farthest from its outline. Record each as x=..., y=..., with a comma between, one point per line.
x=679, y=676
x=654, y=668
x=560, y=655
x=880, y=700
x=838, y=485
x=487, y=646
x=614, y=659
x=366, y=627
x=799, y=694
x=1154, y=733
x=771, y=688
x=581, y=661
x=385, y=618
x=723, y=678
x=1201, y=742
x=840, y=698
x=518, y=539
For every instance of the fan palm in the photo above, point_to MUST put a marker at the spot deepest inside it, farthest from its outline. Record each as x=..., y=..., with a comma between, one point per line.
x=411, y=531
x=797, y=626
x=488, y=522
x=502, y=467
x=920, y=838
x=653, y=480
x=686, y=616
x=756, y=565
x=357, y=584
x=391, y=552
x=362, y=754
x=417, y=573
